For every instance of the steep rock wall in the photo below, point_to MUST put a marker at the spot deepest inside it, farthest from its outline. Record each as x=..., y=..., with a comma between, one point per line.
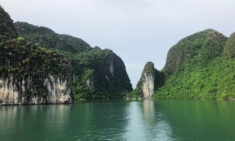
x=97, y=72
x=29, y=73
x=148, y=85
x=151, y=79
x=16, y=92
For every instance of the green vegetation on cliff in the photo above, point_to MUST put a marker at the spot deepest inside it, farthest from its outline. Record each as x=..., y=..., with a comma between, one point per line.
x=29, y=51
x=200, y=47
x=96, y=73
x=23, y=61
x=49, y=39
x=216, y=80
x=200, y=66
x=102, y=73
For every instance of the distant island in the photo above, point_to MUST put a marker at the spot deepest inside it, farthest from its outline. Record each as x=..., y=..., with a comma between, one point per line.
x=39, y=66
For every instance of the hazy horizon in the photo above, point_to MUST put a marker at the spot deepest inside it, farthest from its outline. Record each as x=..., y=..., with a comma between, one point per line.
x=136, y=30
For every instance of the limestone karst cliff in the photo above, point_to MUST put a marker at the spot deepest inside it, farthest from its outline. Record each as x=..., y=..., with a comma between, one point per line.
x=39, y=66
x=147, y=85
x=30, y=74
x=97, y=73
x=151, y=79
x=17, y=92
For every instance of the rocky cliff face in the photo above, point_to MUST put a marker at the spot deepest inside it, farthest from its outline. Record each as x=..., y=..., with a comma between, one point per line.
x=148, y=85
x=97, y=73
x=151, y=79
x=59, y=90
x=28, y=76
x=16, y=92
x=29, y=73
x=110, y=71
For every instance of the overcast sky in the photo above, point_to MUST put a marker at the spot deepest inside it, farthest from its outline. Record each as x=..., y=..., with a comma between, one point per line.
x=137, y=30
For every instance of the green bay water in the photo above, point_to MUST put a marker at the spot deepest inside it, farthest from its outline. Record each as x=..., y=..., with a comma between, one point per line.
x=161, y=120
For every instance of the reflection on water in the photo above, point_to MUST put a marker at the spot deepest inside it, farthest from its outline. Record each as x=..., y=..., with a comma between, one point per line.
x=156, y=126
x=135, y=123
x=163, y=120
x=145, y=123
x=17, y=121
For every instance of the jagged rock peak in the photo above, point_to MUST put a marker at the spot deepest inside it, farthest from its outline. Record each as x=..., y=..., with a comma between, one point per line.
x=145, y=86
x=151, y=79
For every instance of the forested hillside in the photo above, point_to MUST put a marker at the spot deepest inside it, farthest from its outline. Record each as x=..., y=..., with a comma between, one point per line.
x=200, y=66
x=96, y=73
